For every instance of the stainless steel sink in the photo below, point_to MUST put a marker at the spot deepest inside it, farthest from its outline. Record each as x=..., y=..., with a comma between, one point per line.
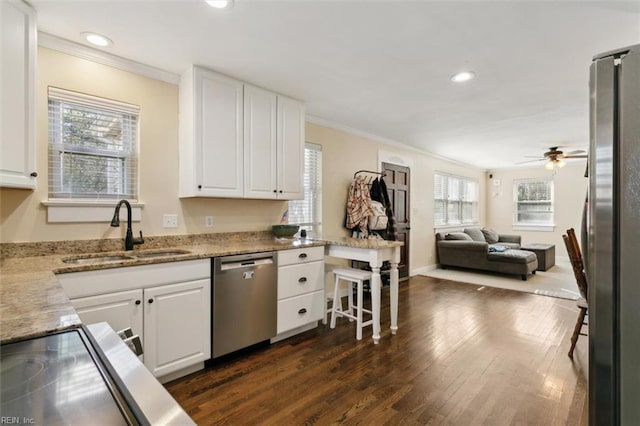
x=164, y=253
x=96, y=259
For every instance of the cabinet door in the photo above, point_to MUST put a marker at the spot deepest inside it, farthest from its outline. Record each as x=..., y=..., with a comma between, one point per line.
x=177, y=326
x=121, y=310
x=218, y=135
x=17, y=79
x=290, y=149
x=259, y=143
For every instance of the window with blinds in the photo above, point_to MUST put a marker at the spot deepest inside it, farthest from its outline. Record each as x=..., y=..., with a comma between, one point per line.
x=455, y=200
x=308, y=212
x=93, y=147
x=533, y=199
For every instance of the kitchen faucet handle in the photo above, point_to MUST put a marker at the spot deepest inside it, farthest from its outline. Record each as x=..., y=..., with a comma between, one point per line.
x=140, y=240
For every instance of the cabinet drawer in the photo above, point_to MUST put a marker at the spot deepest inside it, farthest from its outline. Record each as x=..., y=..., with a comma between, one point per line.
x=300, y=310
x=294, y=280
x=301, y=255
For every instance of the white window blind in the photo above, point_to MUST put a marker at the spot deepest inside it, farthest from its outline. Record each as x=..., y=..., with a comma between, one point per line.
x=308, y=212
x=533, y=199
x=93, y=144
x=455, y=200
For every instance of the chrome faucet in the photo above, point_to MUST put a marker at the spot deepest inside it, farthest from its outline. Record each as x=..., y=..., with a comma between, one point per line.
x=129, y=241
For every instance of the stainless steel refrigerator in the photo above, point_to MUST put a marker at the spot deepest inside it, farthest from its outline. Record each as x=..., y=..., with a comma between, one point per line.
x=613, y=238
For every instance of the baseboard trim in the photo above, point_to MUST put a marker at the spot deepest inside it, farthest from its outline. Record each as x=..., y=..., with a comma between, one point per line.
x=424, y=269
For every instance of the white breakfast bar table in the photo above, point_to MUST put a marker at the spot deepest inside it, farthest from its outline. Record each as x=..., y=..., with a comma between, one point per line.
x=374, y=252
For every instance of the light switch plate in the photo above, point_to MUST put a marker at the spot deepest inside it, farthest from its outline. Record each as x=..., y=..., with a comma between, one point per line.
x=170, y=221
x=208, y=221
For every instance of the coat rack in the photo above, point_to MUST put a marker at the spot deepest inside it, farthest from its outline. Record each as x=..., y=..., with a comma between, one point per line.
x=369, y=179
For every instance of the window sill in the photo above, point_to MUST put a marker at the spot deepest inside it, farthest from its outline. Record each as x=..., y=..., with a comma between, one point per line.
x=85, y=211
x=460, y=226
x=535, y=228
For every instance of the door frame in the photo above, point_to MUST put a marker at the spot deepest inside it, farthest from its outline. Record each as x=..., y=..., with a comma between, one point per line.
x=405, y=161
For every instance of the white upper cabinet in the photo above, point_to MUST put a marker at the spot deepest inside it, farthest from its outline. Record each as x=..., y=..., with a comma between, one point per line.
x=17, y=76
x=290, y=149
x=260, y=149
x=211, y=153
x=237, y=140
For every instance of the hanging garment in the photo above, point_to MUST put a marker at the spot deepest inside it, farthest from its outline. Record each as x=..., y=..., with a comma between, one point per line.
x=392, y=227
x=359, y=206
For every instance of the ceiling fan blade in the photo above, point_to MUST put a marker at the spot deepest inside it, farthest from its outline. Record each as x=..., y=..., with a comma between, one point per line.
x=576, y=152
x=533, y=156
x=576, y=156
x=532, y=161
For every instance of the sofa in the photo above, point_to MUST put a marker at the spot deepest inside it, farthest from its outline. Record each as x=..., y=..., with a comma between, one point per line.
x=485, y=249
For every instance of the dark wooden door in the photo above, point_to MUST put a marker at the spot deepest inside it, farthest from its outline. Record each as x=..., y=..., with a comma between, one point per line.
x=397, y=180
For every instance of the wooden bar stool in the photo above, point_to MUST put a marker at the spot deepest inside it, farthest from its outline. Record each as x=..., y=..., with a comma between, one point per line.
x=353, y=311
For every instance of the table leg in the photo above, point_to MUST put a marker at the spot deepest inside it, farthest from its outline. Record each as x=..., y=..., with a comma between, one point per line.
x=375, y=302
x=394, y=297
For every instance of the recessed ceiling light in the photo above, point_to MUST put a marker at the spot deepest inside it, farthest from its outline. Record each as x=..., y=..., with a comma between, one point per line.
x=463, y=76
x=97, y=39
x=220, y=4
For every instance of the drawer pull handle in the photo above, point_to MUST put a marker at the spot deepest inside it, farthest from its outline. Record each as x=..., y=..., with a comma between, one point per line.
x=302, y=280
x=302, y=311
x=137, y=302
x=150, y=300
x=302, y=255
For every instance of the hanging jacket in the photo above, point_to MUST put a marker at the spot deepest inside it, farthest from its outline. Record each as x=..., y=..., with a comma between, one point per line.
x=392, y=227
x=358, y=206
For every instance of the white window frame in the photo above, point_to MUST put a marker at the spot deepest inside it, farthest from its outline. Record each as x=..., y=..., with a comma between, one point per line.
x=530, y=225
x=72, y=208
x=450, y=223
x=312, y=196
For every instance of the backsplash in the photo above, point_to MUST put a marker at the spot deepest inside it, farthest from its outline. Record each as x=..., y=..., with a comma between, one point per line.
x=45, y=248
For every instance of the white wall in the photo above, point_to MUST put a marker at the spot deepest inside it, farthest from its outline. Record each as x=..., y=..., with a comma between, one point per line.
x=570, y=188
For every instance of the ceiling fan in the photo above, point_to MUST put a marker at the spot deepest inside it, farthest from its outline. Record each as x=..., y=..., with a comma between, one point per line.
x=555, y=158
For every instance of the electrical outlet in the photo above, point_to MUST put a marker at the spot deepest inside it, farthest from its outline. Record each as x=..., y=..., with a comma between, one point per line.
x=170, y=221
x=208, y=221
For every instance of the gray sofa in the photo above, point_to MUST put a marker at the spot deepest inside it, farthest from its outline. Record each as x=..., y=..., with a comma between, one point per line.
x=486, y=250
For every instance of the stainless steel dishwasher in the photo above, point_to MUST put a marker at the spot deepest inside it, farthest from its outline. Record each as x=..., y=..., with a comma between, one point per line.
x=245, y=301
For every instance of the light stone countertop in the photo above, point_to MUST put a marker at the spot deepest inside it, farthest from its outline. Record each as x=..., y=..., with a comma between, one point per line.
x=33, y=303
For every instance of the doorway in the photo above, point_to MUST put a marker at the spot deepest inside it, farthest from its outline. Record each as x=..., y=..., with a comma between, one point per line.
x=397, y=179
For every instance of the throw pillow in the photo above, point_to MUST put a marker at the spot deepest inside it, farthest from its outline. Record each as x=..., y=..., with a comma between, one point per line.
x=475, y=234
x=498, y=249
x=490, y=235
x=457, y=236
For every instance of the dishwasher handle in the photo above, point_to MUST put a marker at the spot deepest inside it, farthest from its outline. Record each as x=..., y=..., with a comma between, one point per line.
x=226, y=266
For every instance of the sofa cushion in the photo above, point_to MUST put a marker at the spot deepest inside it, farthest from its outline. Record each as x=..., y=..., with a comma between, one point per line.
x=513, y=256
x=490, y=235
x=457, y=236
x=475, y=234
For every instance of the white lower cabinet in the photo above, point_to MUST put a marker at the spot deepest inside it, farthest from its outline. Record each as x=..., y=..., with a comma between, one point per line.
x=301, y=297
x=168, y=305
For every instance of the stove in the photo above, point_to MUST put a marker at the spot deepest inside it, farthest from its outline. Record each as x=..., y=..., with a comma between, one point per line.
x=81, y=376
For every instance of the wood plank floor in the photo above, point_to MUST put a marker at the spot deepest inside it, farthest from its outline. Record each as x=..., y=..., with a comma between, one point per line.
x=463, y=355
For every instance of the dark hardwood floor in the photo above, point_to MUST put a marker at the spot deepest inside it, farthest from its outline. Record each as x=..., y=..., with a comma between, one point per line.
x=463, y=355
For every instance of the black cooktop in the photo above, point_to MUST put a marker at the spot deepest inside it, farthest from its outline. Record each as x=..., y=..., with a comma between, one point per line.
x=56, y=379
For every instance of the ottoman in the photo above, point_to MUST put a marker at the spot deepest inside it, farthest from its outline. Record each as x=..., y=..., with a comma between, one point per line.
x=546, y=254
x=514, y=261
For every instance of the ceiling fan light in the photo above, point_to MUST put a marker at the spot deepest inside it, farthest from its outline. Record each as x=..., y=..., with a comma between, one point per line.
x=549, y=165
x=561, y=163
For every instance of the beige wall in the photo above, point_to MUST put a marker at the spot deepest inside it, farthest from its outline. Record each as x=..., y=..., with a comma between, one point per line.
x=570, y=188
x=23, y=217
x=344, y=154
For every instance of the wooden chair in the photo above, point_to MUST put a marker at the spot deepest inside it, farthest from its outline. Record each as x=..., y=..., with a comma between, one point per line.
x=577, y=264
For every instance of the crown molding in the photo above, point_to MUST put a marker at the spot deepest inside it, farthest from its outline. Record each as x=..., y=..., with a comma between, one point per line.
x=386, y=141
x=85, y=52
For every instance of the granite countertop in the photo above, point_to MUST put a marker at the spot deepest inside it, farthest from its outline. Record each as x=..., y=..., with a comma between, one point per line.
x=33, y=303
